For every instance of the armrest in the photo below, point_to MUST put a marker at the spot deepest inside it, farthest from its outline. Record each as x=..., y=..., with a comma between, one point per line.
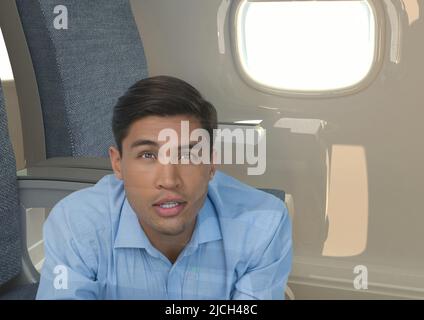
x=70, y=174
x=42, y=186
x=46, y=193
x=81, y=163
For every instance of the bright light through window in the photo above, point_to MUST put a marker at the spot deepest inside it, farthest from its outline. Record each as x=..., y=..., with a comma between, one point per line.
x=306, y=45
x=5, y=68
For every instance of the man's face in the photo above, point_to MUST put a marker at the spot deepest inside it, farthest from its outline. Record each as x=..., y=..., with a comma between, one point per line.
x=166, y=197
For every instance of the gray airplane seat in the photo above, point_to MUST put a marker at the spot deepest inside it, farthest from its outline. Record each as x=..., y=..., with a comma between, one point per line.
x=85, y=55
x=14, y=258
x=280, y=194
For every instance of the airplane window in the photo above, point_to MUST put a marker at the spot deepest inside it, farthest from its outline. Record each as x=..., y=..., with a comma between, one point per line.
x=306, y=46
x=5, y=68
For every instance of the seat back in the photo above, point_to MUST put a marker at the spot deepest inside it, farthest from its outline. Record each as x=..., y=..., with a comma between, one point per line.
x=280, y=194
x=10, y=230
x=81, y=70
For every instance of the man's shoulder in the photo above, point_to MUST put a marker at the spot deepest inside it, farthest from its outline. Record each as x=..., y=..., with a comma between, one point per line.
x=92, y=208
x=248, y=218
x=236, y=201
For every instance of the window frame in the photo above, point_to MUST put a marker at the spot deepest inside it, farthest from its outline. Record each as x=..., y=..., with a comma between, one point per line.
x=366, y=81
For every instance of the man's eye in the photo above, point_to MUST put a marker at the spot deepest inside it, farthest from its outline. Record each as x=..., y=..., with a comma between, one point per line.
x=188, y=155
x=185, y=155
x=147, y=155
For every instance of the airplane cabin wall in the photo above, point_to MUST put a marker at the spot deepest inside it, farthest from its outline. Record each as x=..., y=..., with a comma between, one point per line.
x=356, y=180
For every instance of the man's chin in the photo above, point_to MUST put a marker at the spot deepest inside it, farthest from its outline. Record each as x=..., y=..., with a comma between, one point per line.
x=171, y=228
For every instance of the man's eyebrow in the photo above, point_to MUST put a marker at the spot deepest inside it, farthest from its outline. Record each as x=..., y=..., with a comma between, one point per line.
x=143, y=142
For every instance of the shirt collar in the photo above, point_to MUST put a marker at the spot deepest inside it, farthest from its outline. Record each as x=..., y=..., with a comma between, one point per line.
x=131, y=235
x=207, y=225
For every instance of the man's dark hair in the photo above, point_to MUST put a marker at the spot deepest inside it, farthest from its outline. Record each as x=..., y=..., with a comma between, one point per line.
x=161, y=96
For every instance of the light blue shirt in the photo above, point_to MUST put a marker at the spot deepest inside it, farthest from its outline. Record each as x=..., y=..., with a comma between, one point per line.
x=95, y=248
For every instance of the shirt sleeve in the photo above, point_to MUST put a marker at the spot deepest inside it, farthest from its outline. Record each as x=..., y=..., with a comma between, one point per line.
x=69, y=269
x=267, y=278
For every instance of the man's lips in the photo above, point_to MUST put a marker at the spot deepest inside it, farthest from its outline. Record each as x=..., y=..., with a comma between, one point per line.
x=169, y=199
x=169, y=207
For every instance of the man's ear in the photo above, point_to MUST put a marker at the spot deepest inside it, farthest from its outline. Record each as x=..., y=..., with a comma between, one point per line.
x=115, y=160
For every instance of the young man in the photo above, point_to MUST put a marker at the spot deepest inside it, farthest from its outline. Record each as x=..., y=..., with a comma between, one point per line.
x=165, y=230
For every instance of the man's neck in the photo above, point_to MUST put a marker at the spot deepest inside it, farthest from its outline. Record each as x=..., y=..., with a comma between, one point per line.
x=171, y=251
x=170, y=245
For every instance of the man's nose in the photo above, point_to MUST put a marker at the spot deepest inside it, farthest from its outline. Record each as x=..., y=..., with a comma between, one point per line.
x=168, y=177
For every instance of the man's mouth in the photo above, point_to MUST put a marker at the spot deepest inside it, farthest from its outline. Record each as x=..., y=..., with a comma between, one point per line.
x=169, y=204
x=169, y=208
